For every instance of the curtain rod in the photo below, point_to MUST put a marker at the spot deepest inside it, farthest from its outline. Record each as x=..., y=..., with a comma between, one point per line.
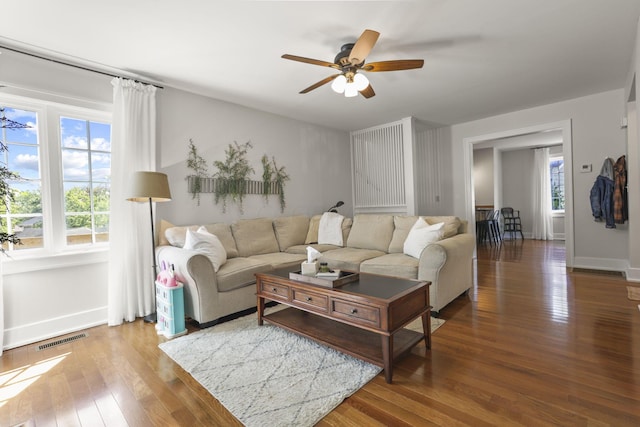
x=93, y=70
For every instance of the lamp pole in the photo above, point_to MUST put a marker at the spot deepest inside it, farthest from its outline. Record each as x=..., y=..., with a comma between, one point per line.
x=153, y=317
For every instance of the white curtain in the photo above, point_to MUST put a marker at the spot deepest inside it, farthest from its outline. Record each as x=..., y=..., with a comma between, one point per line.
x=542, y=221
x=133, y=147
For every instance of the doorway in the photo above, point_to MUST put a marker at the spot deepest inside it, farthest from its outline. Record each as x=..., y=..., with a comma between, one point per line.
x=514, y=139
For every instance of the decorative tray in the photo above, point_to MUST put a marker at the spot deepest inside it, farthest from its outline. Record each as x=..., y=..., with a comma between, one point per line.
x=343, y=277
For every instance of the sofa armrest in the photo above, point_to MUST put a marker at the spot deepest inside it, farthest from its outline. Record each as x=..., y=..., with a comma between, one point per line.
x=448, y=265
x=196, y=273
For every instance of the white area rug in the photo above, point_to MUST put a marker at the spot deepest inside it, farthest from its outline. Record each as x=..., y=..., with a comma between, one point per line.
x=265, y=375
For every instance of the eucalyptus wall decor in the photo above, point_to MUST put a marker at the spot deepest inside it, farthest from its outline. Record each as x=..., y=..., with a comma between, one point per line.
x=267, y=176
x=232, y=180
x=233, y=174
x=198, y=165
x=280, y=178
x=273, y=179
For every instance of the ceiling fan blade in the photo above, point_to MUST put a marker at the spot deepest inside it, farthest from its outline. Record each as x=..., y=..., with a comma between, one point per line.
x=320, y=83
x=363, y=46
x=368, y=92
x=401, y=64
x=310, y=61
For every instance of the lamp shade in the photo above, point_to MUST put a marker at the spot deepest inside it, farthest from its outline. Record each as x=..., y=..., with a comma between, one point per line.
x=361, y=81
x=147, y=185
x=339, y=84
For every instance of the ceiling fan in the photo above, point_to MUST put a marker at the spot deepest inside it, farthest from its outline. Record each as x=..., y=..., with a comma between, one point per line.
x=350, y=61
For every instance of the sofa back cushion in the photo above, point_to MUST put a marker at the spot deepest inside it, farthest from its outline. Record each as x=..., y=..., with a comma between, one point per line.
x=162, y=236
x=402, y=226
x=371, y=231
x=223, y=233
x=255, y=236
x=314, y=227
x=451, y=224
x=291, y=230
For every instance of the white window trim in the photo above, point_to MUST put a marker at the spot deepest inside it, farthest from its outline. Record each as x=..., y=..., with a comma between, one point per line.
x=558, y=212
x=55, y=252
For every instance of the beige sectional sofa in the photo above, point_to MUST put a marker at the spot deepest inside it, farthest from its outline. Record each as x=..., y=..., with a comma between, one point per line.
x=372, y=243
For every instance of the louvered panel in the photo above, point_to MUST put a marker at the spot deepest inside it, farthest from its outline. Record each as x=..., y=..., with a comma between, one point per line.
x=428, y=186
x=378, y=167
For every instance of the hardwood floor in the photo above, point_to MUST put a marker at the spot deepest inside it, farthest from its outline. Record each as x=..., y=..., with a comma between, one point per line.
x=530, y=345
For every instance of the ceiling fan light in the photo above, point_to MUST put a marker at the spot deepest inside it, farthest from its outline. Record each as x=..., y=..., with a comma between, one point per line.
x=361, y=81
x=339, y=84
x=350, y=90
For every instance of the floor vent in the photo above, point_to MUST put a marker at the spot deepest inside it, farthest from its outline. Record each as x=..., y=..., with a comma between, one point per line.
x=62, y=341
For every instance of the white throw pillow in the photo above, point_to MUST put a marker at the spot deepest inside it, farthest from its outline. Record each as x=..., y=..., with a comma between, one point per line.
x=330, y=229
x=421, y=235
x=207, y=244
x=176, y=236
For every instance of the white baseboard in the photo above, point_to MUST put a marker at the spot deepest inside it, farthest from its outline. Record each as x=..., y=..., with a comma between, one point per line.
x=556, y=236
x=49, y=328
x=605, y=264
x=633, y=274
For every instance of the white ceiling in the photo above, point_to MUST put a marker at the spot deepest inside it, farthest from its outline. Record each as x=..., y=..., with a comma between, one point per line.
x=482, y=58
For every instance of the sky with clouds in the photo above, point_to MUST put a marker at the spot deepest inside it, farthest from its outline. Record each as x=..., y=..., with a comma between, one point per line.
x=76, y=136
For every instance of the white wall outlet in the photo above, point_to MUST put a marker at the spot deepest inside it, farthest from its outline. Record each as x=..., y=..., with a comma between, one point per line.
x=585, y=168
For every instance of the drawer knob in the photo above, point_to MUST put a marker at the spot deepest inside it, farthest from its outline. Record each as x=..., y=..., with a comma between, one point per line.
x=354, y=311
x=309, y=299
x=275, y=289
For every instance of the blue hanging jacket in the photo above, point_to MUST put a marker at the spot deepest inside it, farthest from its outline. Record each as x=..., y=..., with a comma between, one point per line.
x=601, y=195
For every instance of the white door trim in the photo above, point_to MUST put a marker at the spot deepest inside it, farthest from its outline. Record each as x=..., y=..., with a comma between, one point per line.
x=567, y=144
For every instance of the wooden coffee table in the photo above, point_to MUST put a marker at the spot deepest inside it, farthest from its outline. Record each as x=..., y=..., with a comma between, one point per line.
x=364, y=319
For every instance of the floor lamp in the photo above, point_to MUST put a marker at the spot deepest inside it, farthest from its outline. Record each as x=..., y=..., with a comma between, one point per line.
x=151, y=187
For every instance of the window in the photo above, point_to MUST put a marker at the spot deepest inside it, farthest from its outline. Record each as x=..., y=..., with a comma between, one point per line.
x=63, y=157
x=23, y=215
x=86, y=167
x=556, y=166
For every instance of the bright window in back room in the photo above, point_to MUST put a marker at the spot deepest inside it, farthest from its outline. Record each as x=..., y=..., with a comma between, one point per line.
x=86, y=168
x=556, y=167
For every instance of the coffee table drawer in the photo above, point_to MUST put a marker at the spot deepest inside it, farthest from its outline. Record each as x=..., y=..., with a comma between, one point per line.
x=357, y=313
x=310, y=299
x=274, y=290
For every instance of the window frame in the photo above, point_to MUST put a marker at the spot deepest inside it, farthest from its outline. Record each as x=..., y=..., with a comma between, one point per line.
x=49, y=114
x=552, y=158
x=92, y=182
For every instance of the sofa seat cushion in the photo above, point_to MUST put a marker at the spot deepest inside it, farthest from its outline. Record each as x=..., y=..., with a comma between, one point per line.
x=302, y=249
x=348, y=258
x=397, y=265
x=239, y=272
x=255, y=236
x=280, y=259
x=291, y=230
